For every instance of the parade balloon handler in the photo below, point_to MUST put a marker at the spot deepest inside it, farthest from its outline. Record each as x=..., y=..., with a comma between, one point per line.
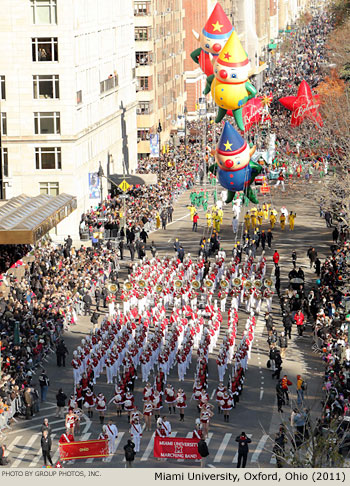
x=236, y=172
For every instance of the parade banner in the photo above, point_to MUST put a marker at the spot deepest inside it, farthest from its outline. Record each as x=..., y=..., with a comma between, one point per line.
x=176, y=448
x=94, y=186
x=154, y=145
x=83, y=449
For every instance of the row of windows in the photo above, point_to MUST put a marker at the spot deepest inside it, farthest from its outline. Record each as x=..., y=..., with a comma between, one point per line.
x=46, y=158
x=46, y=86
x=44, y=123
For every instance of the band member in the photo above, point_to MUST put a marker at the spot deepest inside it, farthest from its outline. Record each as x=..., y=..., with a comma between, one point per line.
x=148, y=412
x=197, y=432
x=129, y=404
x=101, y=407
x=136, y=433
x=112, y=433
x=181, y=403
x=70, y=423
x=170, y=397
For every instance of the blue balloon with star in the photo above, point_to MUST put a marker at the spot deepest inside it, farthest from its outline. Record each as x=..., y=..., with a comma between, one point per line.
x=235, y=171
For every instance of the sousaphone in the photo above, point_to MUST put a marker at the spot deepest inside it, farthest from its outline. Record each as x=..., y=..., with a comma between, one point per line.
x=247, y=284
x=159, y=288
x=127, y=285
x=208, y=283
x=142, y=283
x=268, y=282
x=178, y=284
x=113, y=288
x=195, y=284
x=223, y=284
x=237, y=282
x=257, y=284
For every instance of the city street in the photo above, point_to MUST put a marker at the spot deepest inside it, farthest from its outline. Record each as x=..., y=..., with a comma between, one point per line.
x=256, y=413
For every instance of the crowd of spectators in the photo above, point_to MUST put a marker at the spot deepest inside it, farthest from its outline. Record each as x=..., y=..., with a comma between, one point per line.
x=10, y=255
x=36, y=309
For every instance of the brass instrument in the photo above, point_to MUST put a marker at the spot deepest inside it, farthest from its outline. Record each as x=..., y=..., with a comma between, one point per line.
x=208, y=283
x=113, y=288
x=195, y=284
x=268, y=282
x=237, y=282
x=127, y=285
x=159, y=288
x=257, y=284
x=178, y=284
x=142, y=283
x=258, y=294
x=247, y=284
x=223, y=284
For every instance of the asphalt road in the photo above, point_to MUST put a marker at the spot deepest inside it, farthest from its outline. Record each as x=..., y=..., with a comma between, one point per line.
x=256, y=413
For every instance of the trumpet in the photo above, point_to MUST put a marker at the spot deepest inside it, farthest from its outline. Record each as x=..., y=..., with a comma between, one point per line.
x=178, y=284
x=208, y=283
x=237, y=282
x=257, y=284
x=142, y=283
x=127, y=285
x=268, y=282
x=195, y=284
x=159, y=288
x=113, y=288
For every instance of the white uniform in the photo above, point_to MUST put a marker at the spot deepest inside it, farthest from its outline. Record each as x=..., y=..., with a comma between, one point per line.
x=136, y=434
x=112, y=433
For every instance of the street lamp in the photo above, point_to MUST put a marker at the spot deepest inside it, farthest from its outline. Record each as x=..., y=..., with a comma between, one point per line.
x=100, y=174
x=185, y=112
x=159, y=130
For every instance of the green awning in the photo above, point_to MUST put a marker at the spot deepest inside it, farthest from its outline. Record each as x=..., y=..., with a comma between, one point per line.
x=272, y=46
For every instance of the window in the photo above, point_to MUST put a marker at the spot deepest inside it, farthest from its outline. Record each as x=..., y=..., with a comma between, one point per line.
x=79, y=97
x=2, y=88
x=144, y=83
x=49, y=188
x=5, y=162
x=44, y=11
x=47, y=122
x=144, y=108
x=48, y=158
x=46, y=86
x=142, y=134
x=143, y=58
x=3, y=123
x=45, y=49
x=109, y=83
x=141, y=8
x=142, y=33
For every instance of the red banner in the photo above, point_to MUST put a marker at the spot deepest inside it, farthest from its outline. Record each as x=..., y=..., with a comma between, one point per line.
x=176, y=448
x=83, y=449
x=264, y=189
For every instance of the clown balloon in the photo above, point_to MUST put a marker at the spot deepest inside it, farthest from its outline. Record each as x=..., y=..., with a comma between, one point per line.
x=236, y=172
x=212, y=39
x=231, y=89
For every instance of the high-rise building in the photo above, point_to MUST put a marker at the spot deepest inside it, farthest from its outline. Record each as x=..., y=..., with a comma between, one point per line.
x=195, y=19
x=68, y=97
x=160, y=54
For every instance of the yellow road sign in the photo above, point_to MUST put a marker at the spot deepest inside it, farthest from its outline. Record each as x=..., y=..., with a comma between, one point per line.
x=124, y=186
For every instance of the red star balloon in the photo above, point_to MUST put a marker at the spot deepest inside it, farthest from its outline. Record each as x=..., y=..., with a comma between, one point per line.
x=303, y=105
x=253, y=111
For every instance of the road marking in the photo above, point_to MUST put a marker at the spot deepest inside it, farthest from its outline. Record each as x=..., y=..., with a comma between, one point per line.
x=13, y=444
x=212, y=395
x=222, y=447
x=38, y=455
x=261, y=394
x=24, y=451
x=117, y=442
x=235, y=458
x=35, y=426
x=259, y=448
x=149, y=449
